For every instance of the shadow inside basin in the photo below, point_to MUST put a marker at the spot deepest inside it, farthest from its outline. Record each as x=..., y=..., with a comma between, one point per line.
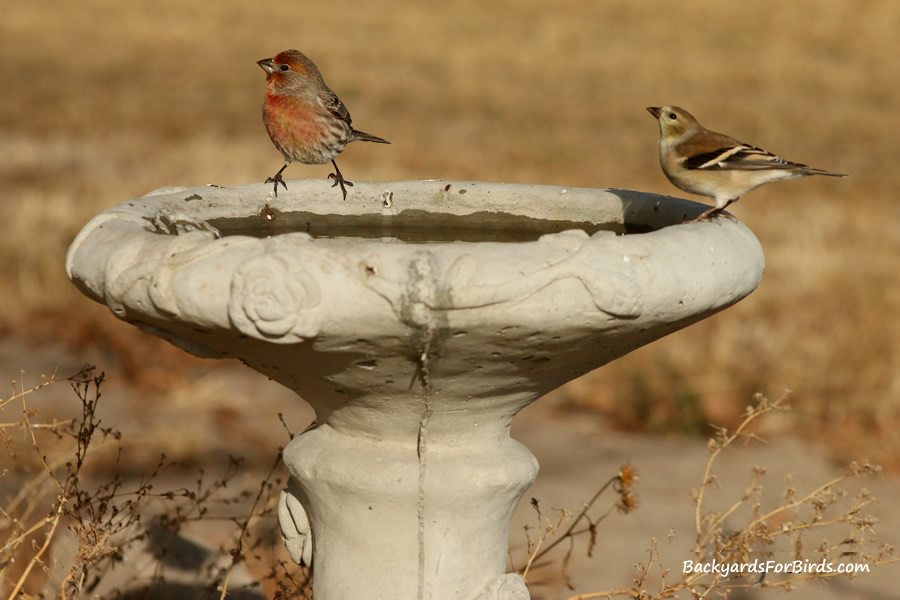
x=415, y=226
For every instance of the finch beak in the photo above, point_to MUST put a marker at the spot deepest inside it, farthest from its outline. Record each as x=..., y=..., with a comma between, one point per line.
x=268, y=65
x=653, y=110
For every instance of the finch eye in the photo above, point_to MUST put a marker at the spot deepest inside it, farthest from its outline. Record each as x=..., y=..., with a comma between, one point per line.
x=285, y=68
x=673, y=116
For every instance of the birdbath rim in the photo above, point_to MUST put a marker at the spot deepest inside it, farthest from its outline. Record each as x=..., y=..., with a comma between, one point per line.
x=424, y=211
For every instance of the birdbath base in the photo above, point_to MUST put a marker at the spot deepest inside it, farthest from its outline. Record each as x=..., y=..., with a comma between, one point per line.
x=433, y=514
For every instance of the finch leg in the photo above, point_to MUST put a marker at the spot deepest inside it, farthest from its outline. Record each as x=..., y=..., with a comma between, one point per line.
x=277, y=178
x=339, y=180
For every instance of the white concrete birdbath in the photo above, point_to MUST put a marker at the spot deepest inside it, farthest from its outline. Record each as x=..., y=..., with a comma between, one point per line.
x=417, y=318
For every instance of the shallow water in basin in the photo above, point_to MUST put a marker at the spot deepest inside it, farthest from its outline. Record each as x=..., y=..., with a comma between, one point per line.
x=413, y=226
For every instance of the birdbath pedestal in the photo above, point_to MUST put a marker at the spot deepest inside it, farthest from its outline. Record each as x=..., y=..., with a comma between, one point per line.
x=417, y=318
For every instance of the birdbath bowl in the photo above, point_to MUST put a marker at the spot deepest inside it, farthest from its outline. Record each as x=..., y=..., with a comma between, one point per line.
x=416, y=318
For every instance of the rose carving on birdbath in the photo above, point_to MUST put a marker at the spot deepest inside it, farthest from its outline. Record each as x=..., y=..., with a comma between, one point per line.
x=273, y=296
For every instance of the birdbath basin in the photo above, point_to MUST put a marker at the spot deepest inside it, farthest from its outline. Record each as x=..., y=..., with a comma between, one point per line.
x=416, y=318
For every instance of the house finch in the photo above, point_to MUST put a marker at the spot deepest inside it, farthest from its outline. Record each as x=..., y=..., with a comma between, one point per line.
x=715, y=165
x=306, y=121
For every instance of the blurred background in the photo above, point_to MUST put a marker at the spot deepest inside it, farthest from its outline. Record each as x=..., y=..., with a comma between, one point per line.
x=106, y=101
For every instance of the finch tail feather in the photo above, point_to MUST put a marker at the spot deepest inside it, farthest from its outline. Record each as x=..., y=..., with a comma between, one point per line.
x=810, y=171
x=362, y=136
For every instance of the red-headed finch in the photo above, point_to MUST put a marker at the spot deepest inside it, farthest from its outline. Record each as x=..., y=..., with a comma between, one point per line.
x=306, y=121
x=715, y=165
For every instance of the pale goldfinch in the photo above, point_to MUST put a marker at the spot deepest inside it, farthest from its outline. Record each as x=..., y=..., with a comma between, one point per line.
x=712, y=164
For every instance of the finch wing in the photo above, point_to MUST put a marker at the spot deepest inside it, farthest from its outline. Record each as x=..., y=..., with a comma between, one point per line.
x=738, y=158
x=334, y=105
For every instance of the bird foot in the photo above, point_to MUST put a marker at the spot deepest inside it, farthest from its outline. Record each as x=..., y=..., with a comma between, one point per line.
x=339, y=180
x=276, y=179
x=711, y=214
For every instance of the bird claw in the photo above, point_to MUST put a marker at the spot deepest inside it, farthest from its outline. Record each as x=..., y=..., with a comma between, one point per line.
x=711, y=215
x=276, y=180
x=702, y=217
x=339, y=180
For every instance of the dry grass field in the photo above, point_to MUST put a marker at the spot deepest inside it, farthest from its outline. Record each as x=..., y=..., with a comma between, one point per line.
x=105, y=101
